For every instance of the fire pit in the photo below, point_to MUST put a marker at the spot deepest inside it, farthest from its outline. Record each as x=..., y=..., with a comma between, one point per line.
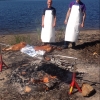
x=40, y=76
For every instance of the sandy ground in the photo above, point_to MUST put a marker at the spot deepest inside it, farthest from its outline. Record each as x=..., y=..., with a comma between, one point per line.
x=87, y=51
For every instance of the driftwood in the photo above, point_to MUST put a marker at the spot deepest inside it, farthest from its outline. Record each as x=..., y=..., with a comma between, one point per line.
x=65, y=56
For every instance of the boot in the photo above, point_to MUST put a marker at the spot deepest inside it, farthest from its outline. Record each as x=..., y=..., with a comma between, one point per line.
x=73, y=45
x=66, y=43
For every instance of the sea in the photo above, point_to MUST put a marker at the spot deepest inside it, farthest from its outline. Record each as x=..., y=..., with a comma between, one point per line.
x=24, y=16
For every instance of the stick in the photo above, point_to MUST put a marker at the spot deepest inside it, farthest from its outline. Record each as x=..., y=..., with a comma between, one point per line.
x=66, y=56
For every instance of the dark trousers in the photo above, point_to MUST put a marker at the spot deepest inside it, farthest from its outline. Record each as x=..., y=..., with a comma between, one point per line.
x=66, y=44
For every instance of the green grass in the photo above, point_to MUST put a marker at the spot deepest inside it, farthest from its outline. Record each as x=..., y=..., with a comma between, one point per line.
x=21, y=38
x=39, y=33
x=60, y=34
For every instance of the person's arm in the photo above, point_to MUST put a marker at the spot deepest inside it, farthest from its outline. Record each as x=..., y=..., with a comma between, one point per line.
x=54, y=22
x=67, y=15
x=54, y=15
x=83, y=19
x=43, y=15
x=42, y=20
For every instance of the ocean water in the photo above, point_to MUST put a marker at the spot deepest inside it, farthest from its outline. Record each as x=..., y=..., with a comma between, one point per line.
x=24, y=16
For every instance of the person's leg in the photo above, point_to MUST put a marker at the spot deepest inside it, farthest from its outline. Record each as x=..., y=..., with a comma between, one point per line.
x=73, y=45
x=66, y=43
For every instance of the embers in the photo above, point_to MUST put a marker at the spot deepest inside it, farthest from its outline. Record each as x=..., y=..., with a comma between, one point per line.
x=38, y=80
x=40, y=77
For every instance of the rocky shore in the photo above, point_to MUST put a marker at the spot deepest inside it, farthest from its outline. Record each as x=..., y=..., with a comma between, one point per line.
x=50, y=79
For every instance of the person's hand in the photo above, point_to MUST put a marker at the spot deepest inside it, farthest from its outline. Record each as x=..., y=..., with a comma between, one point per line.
x=54, y=24
x=82, y=25
x=65, y=22
x=42, y=24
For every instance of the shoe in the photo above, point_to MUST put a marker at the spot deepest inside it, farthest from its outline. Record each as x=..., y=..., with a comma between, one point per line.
x=73, y=45
x=66, y=43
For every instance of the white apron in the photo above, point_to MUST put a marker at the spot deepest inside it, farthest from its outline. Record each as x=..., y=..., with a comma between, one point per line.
x=73, y=25
x=48, y=31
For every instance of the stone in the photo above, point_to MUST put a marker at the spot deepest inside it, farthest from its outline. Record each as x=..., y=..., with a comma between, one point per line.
x=27, y=89
x=87, y=89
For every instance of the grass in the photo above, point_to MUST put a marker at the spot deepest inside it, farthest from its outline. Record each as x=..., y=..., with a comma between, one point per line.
x=34, y=37
x=20, y=38
x=28, y=38
x=39, y=33
x=60, y=34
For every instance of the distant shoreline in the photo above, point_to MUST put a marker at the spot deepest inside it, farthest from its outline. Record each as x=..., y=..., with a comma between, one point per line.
x=36, y=32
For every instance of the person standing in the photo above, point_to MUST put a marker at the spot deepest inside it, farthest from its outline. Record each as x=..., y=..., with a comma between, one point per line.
x=75, y=19
x=48, y=23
